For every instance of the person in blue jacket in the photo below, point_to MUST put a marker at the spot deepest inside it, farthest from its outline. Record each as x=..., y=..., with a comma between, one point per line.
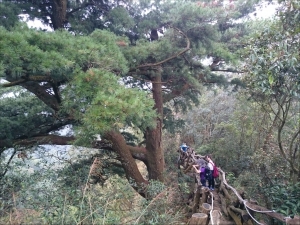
x=183, y=153
x=184, y=147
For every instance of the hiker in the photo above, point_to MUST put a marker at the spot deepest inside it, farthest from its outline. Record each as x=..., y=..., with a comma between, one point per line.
x=184, y=147
x=200, y=168
x=210, y=178
x=183, y=153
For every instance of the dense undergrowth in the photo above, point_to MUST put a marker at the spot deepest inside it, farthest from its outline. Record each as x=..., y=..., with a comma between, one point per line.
x=46, y=192
x=49, y=193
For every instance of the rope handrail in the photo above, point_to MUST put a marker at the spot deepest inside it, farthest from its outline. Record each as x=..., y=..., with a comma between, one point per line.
x=252, y=216
x=190, y=154
x=212, y=207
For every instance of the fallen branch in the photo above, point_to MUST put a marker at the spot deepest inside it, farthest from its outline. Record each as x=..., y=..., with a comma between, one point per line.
x=234, y=217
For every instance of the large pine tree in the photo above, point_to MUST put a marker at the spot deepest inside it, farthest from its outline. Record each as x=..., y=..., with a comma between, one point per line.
x=101, y=83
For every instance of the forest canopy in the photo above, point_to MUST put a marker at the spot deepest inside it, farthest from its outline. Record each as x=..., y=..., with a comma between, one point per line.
x=131, y=80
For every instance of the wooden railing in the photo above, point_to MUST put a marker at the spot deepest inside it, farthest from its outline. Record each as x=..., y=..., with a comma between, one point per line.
x=225, y=203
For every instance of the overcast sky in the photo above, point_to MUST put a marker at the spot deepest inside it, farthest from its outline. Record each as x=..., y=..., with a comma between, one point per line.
x=265, y=11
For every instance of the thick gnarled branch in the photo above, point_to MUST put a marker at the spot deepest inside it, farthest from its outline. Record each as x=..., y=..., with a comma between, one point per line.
x=188, y=44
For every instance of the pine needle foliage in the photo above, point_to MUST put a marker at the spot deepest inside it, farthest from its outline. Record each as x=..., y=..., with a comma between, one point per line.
x=91, y=62
x=104, y=104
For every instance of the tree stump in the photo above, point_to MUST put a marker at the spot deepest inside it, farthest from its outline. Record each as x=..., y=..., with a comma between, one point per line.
x=198, y=219
x=205, y=193
x=294, y=221
x=196, y=199
x=205, y=208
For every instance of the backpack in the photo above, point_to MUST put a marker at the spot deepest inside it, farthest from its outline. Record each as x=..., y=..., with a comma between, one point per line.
x=215, y=172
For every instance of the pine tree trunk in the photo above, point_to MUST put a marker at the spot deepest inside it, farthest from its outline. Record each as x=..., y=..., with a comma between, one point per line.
x=58, y=17
x=128, y=162
x=153, y=136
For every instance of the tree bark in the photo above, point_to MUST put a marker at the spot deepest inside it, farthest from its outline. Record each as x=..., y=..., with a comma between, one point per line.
x=243, y=214
x=38, y=140
x=224, y=190
x=198, y=219
x=58, y=17
x=188, y=168
x=155, y=155
x=205, y=193
x=266, y=211
x=234, y=217
x=223, y=205
x=294, y=221
x=128, y=162
x=196, y=199
x=205, y=208
x=215, y=218
x=42, y=94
